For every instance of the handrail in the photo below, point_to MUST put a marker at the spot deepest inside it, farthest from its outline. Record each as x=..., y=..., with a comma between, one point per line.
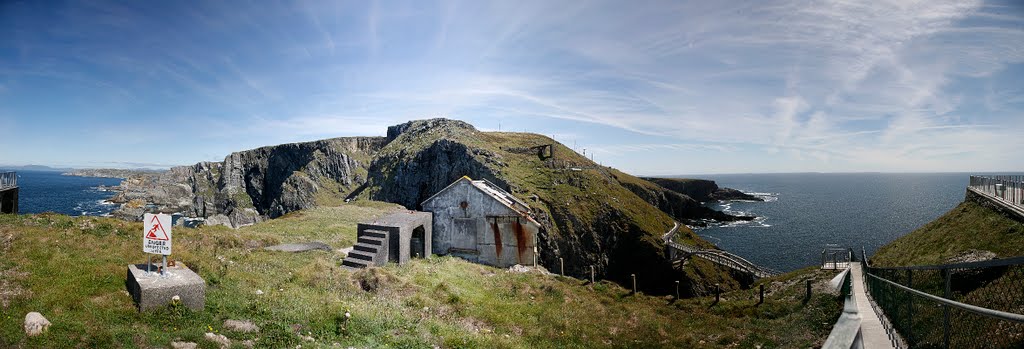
x=846, y=333
x=971, y=308
x=1008, y=189
x=727, y=259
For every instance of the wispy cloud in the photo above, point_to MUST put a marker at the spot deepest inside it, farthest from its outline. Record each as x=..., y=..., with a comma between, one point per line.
x=822, y=86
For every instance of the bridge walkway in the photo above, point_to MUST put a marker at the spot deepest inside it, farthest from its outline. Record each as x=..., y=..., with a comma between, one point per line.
x=872, y=332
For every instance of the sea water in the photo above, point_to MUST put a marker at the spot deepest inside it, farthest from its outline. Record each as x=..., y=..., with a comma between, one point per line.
x=803, y=212
x=46, y=191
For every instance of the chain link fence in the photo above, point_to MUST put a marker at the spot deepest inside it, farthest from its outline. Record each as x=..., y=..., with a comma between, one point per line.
x=964, y=305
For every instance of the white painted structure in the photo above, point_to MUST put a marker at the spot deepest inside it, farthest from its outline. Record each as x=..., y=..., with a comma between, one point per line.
x=480, y=222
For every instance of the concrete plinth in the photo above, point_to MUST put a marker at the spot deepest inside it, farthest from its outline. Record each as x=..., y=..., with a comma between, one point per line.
x=152, y=290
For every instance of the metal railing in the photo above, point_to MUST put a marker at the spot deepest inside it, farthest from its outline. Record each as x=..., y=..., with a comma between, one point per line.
x=835, y=258
x=1009, y=189
x=719, y=257
x=846, y=333
x=8, y=180
x=963, y=305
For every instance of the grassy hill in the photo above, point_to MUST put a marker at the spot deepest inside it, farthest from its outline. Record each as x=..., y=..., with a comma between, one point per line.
x=71, y=269
x=592, y=214
x=969, y=226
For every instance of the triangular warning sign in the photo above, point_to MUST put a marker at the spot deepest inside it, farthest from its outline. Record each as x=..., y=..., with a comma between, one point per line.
x=157, y=232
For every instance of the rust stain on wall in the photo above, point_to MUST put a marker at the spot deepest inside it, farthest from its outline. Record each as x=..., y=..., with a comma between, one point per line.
x=497, y=238
x=522, y=240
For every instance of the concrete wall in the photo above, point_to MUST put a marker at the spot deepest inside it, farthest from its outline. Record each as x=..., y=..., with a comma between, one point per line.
x=484, y=231
x=9, y=200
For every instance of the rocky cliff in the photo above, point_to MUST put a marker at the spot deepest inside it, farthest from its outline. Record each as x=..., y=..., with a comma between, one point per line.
x=701, y=190
x=250, y=185
x=593, y=216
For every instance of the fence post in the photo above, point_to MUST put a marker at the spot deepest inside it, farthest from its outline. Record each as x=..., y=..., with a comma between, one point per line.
x=634, y=282
x=945, y=309
x=761, y=299
x=561, y=266
x=808, y=297
x=718, y=293
x=677, y=289
x=591, y=273
x=910, y=309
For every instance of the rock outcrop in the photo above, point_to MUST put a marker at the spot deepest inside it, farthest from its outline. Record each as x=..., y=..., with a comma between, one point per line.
x=681, y=206
x=250, y=185
x=702, y=190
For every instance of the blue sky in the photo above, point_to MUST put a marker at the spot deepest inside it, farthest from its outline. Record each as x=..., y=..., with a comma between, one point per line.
x=649, y=87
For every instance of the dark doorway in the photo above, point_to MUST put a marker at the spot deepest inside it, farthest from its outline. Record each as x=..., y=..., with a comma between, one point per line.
x=417, y=245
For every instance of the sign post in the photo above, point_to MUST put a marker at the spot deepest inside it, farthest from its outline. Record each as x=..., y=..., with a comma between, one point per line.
x=156, y=237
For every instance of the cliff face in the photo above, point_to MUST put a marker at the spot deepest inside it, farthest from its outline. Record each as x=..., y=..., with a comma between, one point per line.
x=702, y=190
x=678, y=205
x=252, y=184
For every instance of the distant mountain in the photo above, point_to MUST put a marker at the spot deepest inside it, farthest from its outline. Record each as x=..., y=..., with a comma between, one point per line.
x=33, y=168
x=109, y=172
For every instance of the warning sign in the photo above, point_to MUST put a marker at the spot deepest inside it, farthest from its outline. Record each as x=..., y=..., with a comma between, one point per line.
x=156, y=236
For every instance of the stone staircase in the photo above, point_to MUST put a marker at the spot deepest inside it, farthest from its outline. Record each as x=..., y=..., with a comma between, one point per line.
x=370, y=250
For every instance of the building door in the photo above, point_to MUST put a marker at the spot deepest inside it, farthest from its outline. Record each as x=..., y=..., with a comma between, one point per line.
x=464, y=238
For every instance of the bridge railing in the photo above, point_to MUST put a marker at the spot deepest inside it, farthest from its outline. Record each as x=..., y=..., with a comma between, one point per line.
x=8, y=179
x=1009, y=189
x=963, y=305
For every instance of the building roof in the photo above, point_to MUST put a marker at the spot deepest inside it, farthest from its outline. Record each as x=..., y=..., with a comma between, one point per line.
x=495, y=192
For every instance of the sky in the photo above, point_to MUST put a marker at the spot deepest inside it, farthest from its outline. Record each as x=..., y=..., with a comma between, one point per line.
x=649, y=87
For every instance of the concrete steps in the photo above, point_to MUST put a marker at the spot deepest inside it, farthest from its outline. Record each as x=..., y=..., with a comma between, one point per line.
x=364, y=252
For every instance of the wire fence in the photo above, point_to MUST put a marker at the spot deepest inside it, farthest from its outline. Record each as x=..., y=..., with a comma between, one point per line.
x=965, y=305
x=8, y=179
x=1009, y=189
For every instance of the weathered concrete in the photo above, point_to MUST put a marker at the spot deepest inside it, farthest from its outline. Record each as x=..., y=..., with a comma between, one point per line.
x=303, y=247
x=397, y=238
x=480, y=222
x=872, y=332
x=154, y=291
x=9, y=200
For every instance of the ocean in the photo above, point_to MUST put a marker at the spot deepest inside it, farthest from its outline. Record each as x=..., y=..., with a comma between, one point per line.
x=46, y=191
x=803, y=212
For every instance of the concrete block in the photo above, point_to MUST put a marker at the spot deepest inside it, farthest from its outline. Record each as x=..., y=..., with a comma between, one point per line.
x=152, y=290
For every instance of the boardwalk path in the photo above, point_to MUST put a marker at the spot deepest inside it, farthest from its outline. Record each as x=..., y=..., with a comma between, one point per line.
x=872, y=332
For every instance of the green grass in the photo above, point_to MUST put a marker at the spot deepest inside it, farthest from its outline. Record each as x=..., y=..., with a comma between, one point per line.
x=966, y=227
x=72, y=271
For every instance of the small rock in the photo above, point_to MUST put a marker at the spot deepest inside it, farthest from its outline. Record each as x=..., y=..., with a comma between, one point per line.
x=259, y=292
x=176, y=299
x=241, y=326
x=519, y=269
x=307, y=338
x=249, y=343
x=219, y=339
x=35, y=324
x=184, y=345
x=971, y=256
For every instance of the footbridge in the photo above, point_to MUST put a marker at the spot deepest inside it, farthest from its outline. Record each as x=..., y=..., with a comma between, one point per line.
x=678, y=252
x=8, y=192
x=957, y=305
